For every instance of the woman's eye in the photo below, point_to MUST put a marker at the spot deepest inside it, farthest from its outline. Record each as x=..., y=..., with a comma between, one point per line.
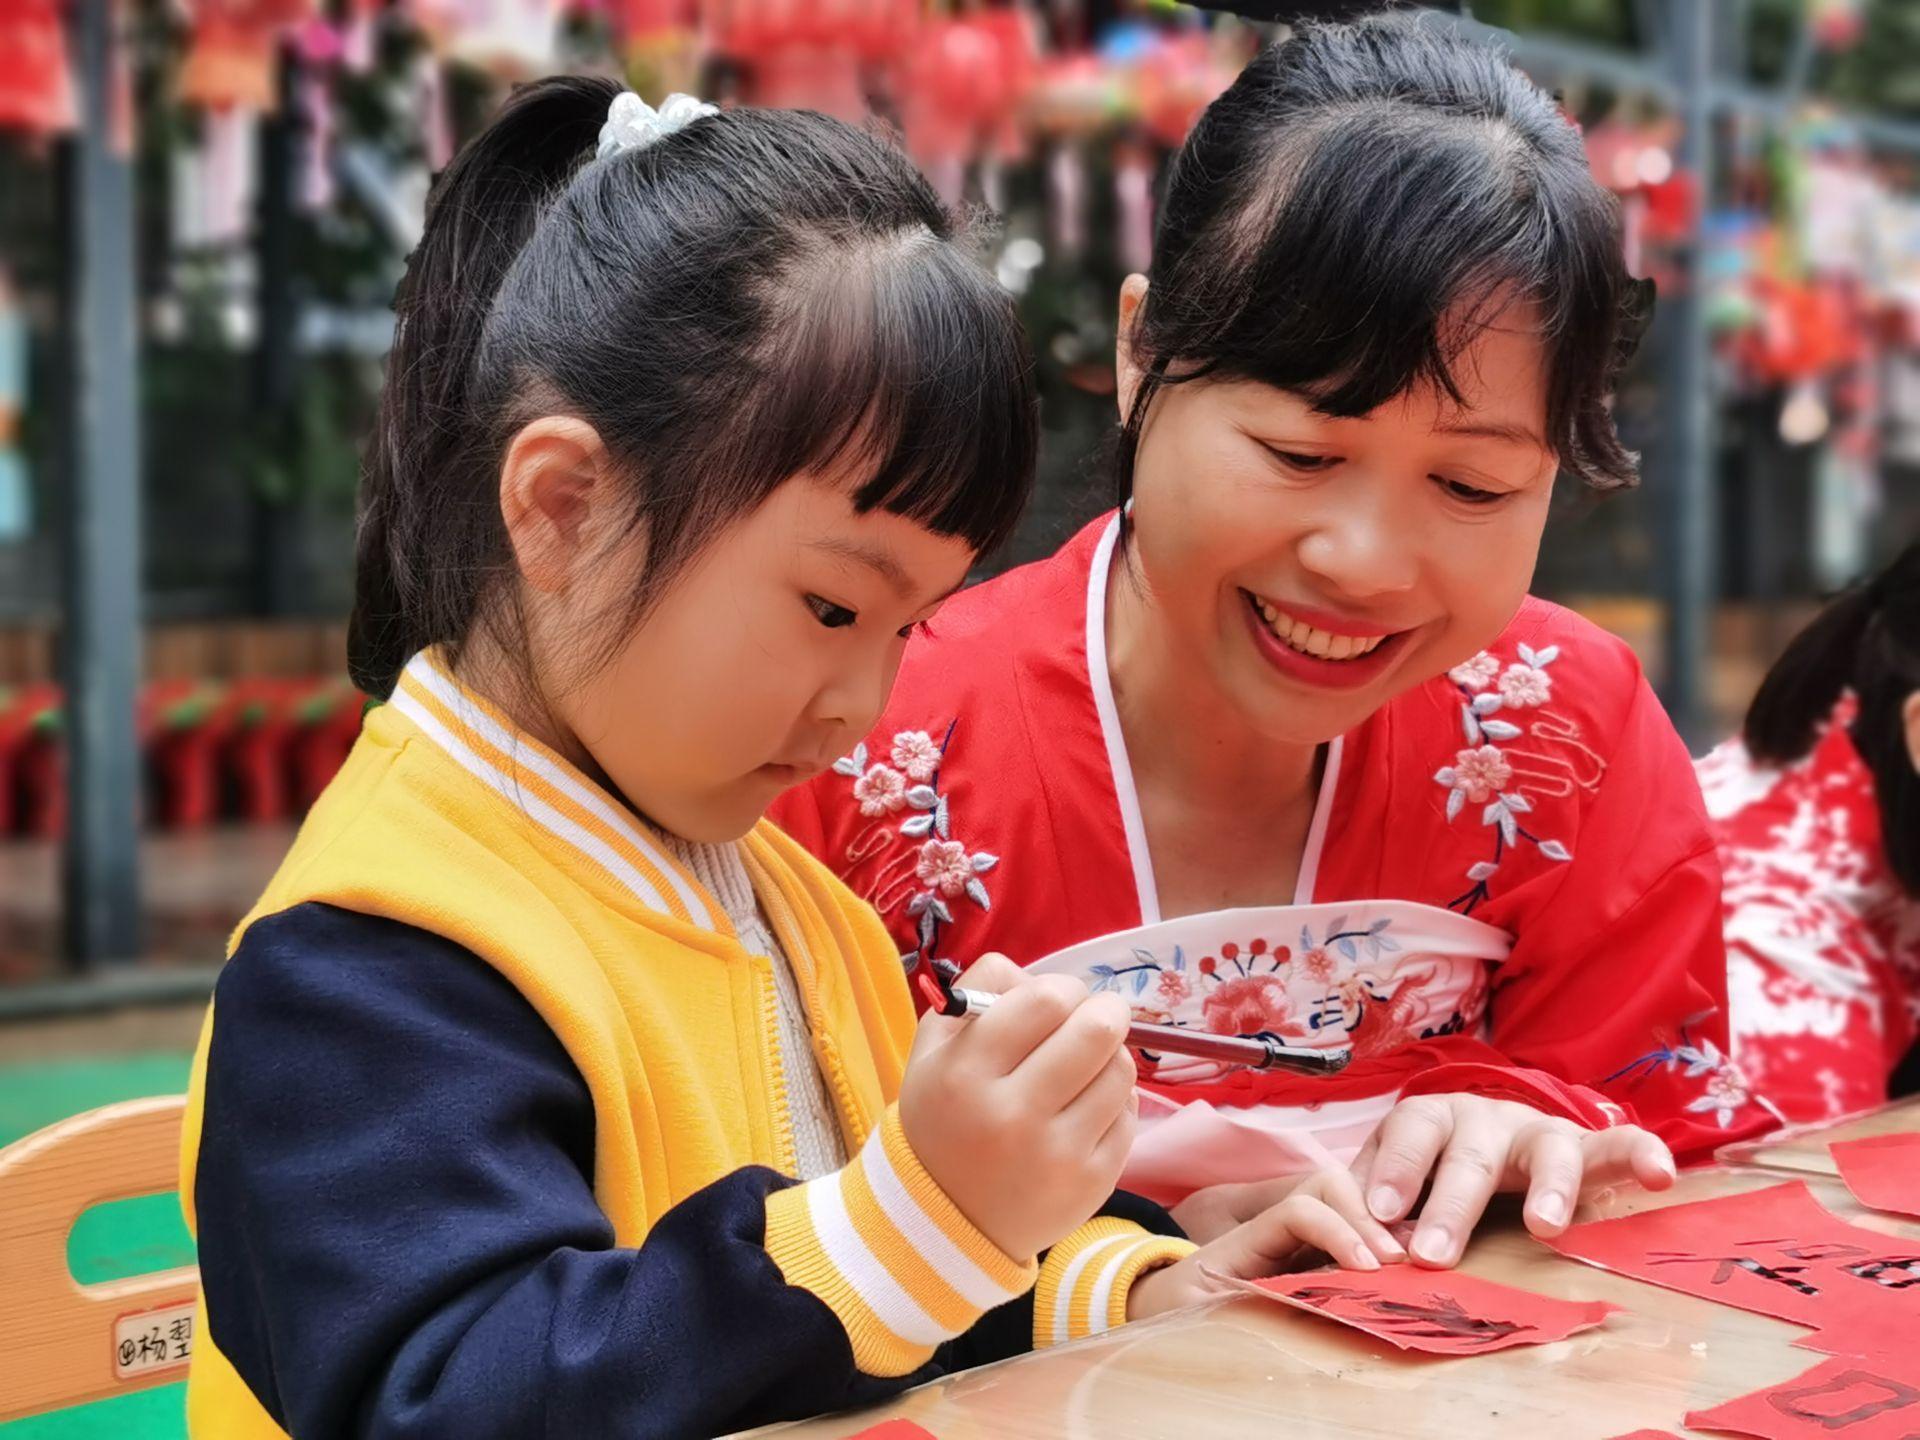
x=834, y=617
x=1469, y=494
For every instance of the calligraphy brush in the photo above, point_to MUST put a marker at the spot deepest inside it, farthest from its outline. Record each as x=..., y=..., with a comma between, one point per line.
x=1252, y=1052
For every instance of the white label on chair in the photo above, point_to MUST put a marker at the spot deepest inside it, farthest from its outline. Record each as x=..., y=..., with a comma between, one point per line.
x=150, y=1340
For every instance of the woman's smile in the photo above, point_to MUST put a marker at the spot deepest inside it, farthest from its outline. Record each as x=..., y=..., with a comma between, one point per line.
x=1308, y=649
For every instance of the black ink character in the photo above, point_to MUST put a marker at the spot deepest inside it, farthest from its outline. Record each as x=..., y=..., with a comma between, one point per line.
x=1893, y=1396
x=1441, y=1318
x=1729, y=1264
x=1895, y=1272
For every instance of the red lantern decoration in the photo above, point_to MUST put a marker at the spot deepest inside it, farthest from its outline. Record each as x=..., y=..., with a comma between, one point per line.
x=962, y=85
x=36, y=88
x=1804, y=331
x=1179, y=79
x=231, y=61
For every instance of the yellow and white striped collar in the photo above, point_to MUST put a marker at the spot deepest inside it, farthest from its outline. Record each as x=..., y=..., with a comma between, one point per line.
x=551, y=793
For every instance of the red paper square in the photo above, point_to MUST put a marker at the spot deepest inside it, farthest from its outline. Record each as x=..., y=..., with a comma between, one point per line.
x=1774, y=1251
x=1883, y=1173
x=894, y=1430
x=1440, y=1312
x=1858, y=1399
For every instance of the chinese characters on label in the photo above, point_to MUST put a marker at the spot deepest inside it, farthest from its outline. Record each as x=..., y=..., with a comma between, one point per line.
x=152, y=1340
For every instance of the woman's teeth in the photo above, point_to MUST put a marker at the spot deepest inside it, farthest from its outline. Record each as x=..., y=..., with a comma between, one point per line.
x=1298, y=635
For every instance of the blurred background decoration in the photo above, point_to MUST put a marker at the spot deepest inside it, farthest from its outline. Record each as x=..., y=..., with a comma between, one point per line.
x=205, y=204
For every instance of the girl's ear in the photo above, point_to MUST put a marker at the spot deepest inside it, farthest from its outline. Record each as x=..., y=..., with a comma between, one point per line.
x=1133, y=292
x=1910, y=717
x=556, y=482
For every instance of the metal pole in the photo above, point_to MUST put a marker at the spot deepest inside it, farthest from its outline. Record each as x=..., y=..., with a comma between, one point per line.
x=100, y=650
x=1687, y=470
x=279, y=580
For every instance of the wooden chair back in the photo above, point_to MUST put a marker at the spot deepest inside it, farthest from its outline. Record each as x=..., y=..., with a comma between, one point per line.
x=61, y=1342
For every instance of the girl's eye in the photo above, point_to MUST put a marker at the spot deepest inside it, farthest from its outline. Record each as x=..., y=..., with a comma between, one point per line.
x=1306, y=464
x=1469, y=494
x=834, y=617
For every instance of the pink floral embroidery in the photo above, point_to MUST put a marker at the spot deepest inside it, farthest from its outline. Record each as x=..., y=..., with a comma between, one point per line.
x=1247, y=1006
x=1480, y=773
x=1388, y=1026
x=915, y=753
x=945, y=865
x=881, y=791
x=1174, y=987
x=1317, y=963
x=1726, y=1091
x=1351, y=995
x=1477, y=673
x=937, y=868
x=1525, y=685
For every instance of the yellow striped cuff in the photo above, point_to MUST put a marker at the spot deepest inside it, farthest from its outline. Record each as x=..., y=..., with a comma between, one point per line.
x=1084, y=1283
x=890, y=1254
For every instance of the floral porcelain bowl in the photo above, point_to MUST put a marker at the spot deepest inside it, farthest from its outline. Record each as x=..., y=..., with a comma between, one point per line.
x=1368, y=976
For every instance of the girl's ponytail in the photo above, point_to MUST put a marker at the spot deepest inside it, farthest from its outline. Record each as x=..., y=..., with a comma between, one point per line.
x=419, y=475
x=1802, y=688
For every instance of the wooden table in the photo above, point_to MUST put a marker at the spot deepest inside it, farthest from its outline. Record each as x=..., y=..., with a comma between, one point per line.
x=1803, y=1151
x=1242, y=1368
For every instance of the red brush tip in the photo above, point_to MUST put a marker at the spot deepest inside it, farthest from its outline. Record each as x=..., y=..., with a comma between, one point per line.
x=932, y=992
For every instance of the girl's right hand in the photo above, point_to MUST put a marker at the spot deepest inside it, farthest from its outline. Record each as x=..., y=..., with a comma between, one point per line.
x=1024, y=1116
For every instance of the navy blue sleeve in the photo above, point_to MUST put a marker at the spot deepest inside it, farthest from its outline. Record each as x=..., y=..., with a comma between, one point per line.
x=398, y=1232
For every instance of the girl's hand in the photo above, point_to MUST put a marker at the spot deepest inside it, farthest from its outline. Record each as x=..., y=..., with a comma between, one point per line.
x=1322, y=1215
x=1472, y=1146
x=1025, y=1115
x=1207, y=1214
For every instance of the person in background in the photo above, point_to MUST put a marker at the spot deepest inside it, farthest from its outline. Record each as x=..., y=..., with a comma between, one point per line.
x=1297, y=668
x=1816, y=805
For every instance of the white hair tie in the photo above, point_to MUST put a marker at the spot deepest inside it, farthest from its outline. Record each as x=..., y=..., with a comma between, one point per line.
x=632, y=124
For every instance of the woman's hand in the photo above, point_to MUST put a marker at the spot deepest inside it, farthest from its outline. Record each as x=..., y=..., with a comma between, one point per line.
x=1471, y=1146
x=1321, y=1214
x=1023, y=1116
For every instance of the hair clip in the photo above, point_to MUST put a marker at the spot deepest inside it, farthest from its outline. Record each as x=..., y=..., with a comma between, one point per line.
x=633, y=124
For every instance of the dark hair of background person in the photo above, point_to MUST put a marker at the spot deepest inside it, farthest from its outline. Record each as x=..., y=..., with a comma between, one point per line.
x=1867, y=641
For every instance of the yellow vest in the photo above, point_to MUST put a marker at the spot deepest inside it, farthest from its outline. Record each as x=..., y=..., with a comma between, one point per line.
x=445, y=819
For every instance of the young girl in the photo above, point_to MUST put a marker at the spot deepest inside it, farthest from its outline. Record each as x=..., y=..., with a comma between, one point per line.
x=497, y=1120
x=1817, y=807
x=1299, y=670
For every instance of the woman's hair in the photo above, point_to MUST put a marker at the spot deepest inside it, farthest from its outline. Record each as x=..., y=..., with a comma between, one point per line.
x=758, y=294
x=1356, y=206
x=1868, y=641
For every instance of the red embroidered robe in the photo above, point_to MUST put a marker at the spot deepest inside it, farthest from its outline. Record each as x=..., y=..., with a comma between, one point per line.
x=1538, y=789
x=1823, y=946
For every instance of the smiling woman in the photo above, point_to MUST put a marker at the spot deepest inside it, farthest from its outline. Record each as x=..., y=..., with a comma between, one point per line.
x=1283, y=742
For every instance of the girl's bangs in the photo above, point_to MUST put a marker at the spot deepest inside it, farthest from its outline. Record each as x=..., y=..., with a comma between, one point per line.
x=914, y=370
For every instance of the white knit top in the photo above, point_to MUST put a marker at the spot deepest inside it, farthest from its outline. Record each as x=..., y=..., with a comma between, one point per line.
x=818, y=1145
